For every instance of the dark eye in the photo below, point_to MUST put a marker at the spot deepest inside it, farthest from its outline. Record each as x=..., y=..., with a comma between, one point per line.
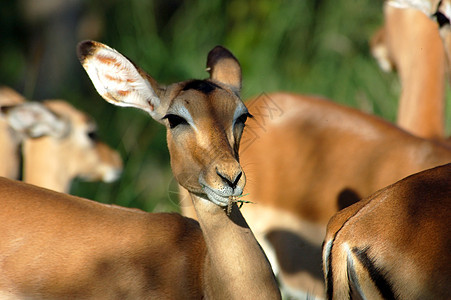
x=243, y=118
x=175, y=120
x=93, y=135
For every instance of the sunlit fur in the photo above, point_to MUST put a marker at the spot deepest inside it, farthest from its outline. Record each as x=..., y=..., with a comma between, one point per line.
x=394, y=244
x=203, y=134
x=410, y=42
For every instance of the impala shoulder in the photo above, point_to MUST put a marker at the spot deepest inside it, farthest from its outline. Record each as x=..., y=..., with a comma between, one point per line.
x=338, y=221
x=428, y=184
x=176, y=228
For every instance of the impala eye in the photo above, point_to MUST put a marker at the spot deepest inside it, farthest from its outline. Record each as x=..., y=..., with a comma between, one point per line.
x=93, y=135
x=175, y=120
x=243, y=118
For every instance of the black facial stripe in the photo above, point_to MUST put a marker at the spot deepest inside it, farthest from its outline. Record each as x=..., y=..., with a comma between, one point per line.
x=203, y=86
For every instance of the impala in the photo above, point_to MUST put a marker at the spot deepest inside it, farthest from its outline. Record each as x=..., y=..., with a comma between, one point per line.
x=56, y=245
x=59, y=143
x=416, y=41
x=326, y=157
x=306, y=161
x=394, y=244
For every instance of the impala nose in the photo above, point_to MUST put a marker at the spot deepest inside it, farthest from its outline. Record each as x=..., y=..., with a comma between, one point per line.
x=231, y=182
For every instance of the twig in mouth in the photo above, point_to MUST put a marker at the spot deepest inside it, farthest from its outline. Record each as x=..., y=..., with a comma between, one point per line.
x=235, y=199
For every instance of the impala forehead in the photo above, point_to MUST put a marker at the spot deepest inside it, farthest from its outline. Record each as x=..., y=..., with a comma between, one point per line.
x=198, y=106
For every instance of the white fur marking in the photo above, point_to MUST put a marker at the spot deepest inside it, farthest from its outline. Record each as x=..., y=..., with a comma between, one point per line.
x=326, y=254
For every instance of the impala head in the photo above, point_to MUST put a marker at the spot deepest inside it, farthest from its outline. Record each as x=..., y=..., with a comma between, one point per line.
x=204, y=118
x=437, y=10
x=64, y=140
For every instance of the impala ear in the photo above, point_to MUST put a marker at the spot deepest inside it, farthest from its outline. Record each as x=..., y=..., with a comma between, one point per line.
x=118, y=80
x=33, y=120
x=8, y=96
x=224, y=68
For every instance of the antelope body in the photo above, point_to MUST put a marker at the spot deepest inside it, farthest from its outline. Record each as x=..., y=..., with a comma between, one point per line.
x=57, y=245
x=394, y=244
x=326, y=157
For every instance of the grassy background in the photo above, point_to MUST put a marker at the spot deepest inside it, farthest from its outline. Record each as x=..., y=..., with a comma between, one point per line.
x=312, y=47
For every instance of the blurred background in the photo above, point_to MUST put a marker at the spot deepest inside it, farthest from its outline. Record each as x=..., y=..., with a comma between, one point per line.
x=312, y=47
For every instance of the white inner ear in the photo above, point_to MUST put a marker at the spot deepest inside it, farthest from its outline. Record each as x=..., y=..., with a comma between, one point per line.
x=118, y=81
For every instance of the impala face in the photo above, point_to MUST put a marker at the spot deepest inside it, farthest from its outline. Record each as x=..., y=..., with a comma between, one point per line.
x=205, y=122
x=61, y=140
x=204, y=118
x=90, y=158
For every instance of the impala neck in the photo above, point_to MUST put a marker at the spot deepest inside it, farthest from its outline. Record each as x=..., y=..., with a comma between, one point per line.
x=9, y=145
x=235, y=266
x=419, y=56
x=421, y=108
x=43, y=169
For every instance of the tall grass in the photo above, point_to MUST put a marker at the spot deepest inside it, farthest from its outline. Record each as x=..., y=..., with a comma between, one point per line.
x=312, y=47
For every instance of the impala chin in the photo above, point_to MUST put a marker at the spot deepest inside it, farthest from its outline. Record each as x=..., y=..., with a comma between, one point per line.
x=216, y=198
x=222, y=197
x=105, y=174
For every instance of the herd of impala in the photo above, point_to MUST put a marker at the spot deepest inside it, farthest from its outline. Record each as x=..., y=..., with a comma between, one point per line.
x=346, y=205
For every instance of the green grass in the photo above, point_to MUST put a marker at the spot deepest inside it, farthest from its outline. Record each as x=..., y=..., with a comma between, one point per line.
x=311, y=47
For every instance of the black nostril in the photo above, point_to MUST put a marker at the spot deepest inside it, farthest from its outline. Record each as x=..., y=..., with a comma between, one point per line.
x=230, y=182
x=225, y=179
x=237, y=178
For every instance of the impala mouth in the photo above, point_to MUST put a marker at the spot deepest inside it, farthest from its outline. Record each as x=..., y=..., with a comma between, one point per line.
x=111, y=175
x=220, y=200
x=215, y=198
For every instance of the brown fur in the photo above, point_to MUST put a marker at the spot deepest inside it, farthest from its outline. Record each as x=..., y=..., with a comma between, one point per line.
x=74, y=155
x=308, y=159
x=411, y=42
x=59, y=246
x=204, y=159
x=54, y=160
x=406, y=230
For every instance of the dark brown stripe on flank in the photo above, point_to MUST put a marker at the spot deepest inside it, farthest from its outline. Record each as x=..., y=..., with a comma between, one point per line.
x=378, y=276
